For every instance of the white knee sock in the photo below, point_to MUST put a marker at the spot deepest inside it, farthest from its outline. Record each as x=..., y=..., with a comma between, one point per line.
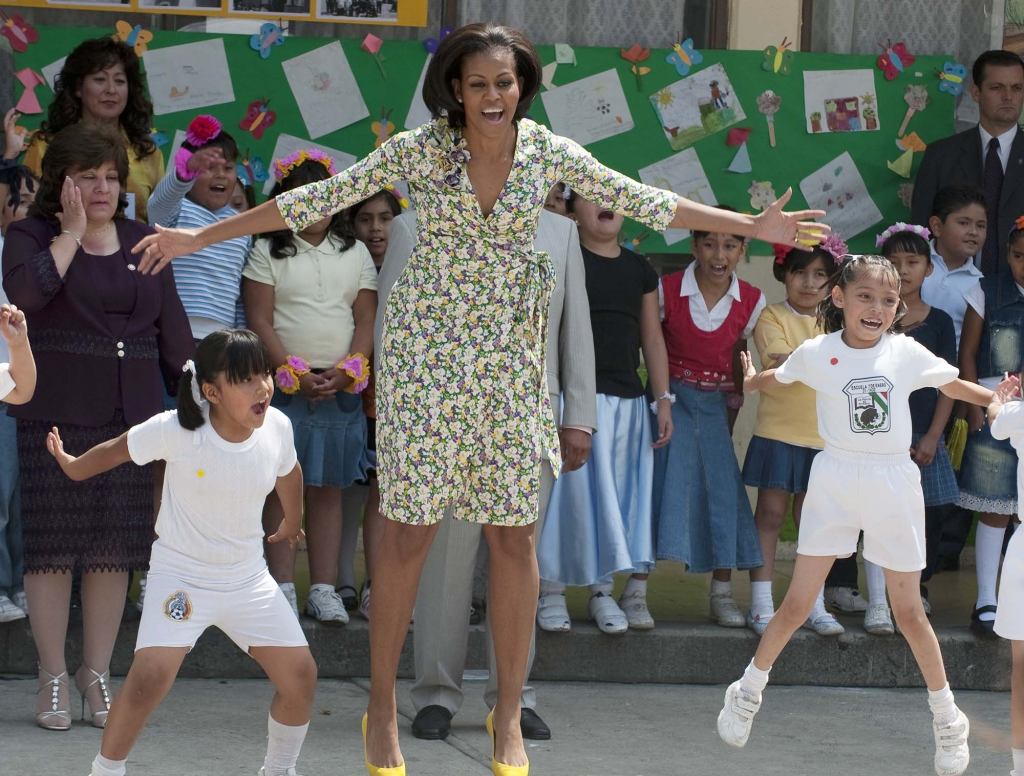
x=547, y=587
x=721, y=588
x=1018, y=762
x=761, y=598
x=283, y=745
x=875, y=576
x=754, y=680
x=988, y=545
x=635, y=586
x=819, y=605
x=942, y=705
x=101, y=766
x=602, y=587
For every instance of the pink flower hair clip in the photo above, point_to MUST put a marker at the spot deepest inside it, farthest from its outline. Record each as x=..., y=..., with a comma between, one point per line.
x=202, y=129
x=835, y=245
x=899, y=226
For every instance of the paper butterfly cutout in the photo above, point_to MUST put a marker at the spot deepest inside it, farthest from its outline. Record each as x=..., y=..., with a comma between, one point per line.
x=892, y=61
x=18, y=31
x=431, y=44
x=258, y=117
x=158, y=137
x=134, y=36
x=28, y=103
x=951, y=79
x=270, y=35
x=684, y=56
x=251, y=170
x=778, y=59
x=382, y=128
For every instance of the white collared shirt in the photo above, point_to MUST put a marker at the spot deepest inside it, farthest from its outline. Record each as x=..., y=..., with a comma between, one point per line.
x=1005, y=142
x=953, y=290
x=709, y=320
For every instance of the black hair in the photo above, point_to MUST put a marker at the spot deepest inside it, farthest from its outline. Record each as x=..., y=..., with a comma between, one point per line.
x=389, y=196
x=446, y=66
x=13, y=176
x=797, y=260
x=851, y=267
x=906, y=242
x=997, y=58
x=248, y=192
x=223, y=141
x=949, y=199
x=699, y=234
x=282, y=242
x=238, y=354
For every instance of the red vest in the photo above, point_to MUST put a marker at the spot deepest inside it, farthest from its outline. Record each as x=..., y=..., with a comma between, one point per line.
x=694, y=354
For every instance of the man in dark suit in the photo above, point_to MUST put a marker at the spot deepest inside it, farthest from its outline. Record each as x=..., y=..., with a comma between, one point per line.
x=990, y=155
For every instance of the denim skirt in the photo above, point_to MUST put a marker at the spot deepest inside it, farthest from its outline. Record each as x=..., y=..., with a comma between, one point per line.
x=778, y=465
x=988, y=475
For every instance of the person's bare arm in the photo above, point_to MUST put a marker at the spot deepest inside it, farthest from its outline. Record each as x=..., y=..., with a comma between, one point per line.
x=754, y=381
x=970, y=340
x=289, y=492
x=101, y=458
x=961, y=390
x=652, y=342
x=772, y=225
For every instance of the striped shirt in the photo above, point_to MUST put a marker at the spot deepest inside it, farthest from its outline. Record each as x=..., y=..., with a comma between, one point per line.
x=208, y=280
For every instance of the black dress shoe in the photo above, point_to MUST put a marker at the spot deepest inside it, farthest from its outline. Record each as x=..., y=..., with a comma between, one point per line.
x=532, y=726
x=432, y=723
x=983, y=628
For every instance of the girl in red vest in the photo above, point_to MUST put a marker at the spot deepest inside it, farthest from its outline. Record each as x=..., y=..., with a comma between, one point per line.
x=701, y=511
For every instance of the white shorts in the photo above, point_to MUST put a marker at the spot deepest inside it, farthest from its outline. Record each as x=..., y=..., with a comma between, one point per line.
x=1009, y=613
x=252, y=612
x=877, y=494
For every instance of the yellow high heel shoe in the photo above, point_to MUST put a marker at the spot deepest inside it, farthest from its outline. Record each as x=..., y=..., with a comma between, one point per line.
x=373, y=770
x=501, y=769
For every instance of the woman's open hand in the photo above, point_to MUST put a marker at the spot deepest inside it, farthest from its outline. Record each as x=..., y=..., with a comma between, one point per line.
x=775, y=225
x=158, y=249
x=72, y=211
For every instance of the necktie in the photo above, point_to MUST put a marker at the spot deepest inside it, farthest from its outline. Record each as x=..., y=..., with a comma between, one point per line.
x=993, y=184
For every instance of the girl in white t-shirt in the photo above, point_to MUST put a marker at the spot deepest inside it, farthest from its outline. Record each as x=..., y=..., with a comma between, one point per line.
x=864, y=480
x=225, y=448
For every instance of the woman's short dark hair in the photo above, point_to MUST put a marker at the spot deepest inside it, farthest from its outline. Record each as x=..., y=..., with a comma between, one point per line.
x=92, y=56
x=79, y=147
x=282, y=242
x=446, y=66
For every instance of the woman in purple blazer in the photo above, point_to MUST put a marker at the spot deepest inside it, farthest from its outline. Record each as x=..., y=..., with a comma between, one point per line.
x=108, y=339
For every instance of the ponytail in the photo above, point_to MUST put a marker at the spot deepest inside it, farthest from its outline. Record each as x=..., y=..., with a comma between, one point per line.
x=190, y=411
x=830, y=316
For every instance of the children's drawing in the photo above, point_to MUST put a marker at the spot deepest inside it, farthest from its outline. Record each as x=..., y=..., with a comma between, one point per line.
x=189, y=76
x=762, y=194
x=683, y=174
x=697, y=106
x=325, y=89
x=840, y=101
x=590, y=109
x=839, y=190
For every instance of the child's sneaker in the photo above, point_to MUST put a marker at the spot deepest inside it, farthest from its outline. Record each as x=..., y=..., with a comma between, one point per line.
x=759, y=622
x=824, y=624
x=635, y=608
x=364, y=601
x=845, y=599
x=326, y=605
x=725, y=612
x=607, y=614
x=952, y=754
x=21, y=600
x=552, y=613
x=878, y=621
x=141, y=602
x=10, y=611
x=737, y=715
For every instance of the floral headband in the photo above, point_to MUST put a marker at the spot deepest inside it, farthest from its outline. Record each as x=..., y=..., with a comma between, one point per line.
x=833, y=245
x=1018, y=224
x=284, y=167
x=202, y=129
x=899, y=226
x=403, y=201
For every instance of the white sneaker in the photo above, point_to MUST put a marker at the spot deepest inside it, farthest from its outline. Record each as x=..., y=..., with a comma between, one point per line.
x=635, y=608
x=326, y=605
x=952, y=754
x=737, y=715
x=845, y=599
x=10, y=611
x=364, y=603
x=607, y=614
x=288, y=588
x=142, y=593
x=263, y=772
x=878, y=621
x=21, y=600
x=759, y=622
x=725, y=612
x=824, y=624
x=552, y=613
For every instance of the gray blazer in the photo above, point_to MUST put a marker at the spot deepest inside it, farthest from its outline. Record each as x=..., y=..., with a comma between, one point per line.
x=571, y=369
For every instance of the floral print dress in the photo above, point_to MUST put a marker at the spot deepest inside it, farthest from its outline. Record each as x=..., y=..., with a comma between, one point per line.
x=462, y=400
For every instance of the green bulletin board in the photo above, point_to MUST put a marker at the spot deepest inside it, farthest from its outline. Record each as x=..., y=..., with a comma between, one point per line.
x=796, y=154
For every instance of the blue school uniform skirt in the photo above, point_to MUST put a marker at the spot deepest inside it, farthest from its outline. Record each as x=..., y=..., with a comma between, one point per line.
x=988, y=475
x=598, y=520
x=938, y=480
x=778, y=465
x=701, y=511
x=330, y=438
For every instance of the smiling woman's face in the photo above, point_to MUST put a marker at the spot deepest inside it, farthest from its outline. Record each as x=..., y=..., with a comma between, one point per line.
x=104, y=94
x=488, y=90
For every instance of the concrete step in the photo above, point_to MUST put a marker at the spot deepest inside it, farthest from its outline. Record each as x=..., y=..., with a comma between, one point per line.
x=676, y=653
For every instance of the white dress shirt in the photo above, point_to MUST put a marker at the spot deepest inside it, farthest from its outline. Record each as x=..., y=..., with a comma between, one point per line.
x=1005, y=142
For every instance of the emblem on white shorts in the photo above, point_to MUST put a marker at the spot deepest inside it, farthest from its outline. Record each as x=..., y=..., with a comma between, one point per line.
x=869, y=404
x=178, y=606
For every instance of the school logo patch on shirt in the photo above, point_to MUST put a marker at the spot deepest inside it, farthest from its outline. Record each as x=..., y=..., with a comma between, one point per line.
x=869, y=404
x=178, y=606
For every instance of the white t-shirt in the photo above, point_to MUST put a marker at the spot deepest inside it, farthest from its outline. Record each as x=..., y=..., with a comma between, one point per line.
x=1009, y=424
x=6, y=381
x=210, y=520
x=862, y=393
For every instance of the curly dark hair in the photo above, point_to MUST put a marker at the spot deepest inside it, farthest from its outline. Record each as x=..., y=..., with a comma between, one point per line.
x=446, y=65
x=282, y=242
x=92, y=56
x=78, y=147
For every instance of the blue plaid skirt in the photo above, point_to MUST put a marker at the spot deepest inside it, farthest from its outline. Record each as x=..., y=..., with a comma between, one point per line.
x=938, y=480
x=778, y=465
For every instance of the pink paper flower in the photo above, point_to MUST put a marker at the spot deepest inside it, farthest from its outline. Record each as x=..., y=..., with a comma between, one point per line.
x=286, y=380
x=299, y=365
x=371, y=44
x=202, y=130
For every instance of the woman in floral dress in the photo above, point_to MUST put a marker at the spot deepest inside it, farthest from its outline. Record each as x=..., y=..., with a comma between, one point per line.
x=463, y=415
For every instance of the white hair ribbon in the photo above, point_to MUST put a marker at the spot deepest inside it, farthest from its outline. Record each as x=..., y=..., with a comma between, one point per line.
x=197, y=395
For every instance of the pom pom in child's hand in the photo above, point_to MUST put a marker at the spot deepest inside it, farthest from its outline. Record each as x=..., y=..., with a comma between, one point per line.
x=202, y=129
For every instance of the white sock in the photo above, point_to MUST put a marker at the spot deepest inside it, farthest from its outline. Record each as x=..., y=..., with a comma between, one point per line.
x=988, y=546
x=547, y=587
x=635, y=586
x=942, y=705
x=286, y=586
x=1018, y=761
x=721, y=588
x=101, y=766
x=819, y=605
x=761, y=598
x=754, y=680
x=875, y=576
x=602, y=587
x=283, y=745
